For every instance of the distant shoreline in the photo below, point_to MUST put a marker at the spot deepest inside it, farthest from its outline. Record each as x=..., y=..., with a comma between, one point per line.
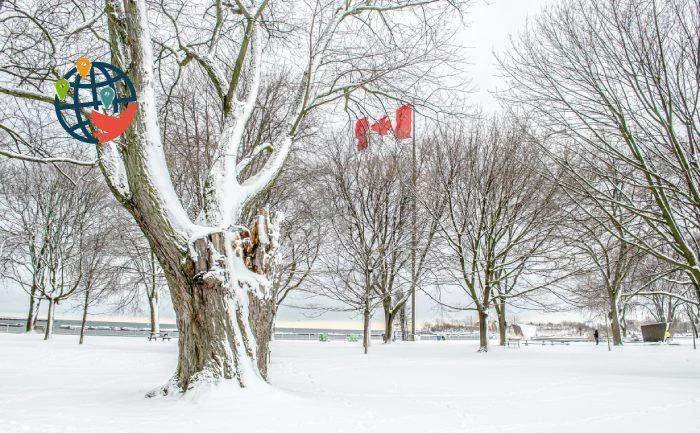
x=143, y=329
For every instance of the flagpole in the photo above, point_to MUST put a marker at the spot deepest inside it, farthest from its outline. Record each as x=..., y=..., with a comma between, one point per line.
x=413, y=227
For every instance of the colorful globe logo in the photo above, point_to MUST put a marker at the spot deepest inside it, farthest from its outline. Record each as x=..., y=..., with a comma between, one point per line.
x=89, y=99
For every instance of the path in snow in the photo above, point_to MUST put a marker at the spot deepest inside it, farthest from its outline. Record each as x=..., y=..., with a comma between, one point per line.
x=425, y=387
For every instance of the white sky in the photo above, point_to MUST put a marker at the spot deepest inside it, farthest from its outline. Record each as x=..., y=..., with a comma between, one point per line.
x=489, y=24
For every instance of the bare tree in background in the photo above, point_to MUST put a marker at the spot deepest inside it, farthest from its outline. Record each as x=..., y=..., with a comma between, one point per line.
x=50, y=215
x=663, y=293
x=366, y=197
x=140, y=275
x=606, y=259
x=498, y=227
x=615, y=81
x=22, y=263
x=99, y=265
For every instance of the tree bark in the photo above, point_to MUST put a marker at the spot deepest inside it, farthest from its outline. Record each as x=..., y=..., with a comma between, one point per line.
x=670, y=311
x=49, y=320
x=623, y=321
x=153, y=307
x=388, y=320
x=37, y=308
x=365, y=328
x=502, y=324
x=483, y=331
x=31, y=315
x=152, y=293
x=262, y=317
x=403, y=322
x=85, y=313
x=214, y=312
x=693, y=327
x=614, y=316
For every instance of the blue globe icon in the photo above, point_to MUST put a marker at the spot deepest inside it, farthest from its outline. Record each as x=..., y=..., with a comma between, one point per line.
x=83, y=95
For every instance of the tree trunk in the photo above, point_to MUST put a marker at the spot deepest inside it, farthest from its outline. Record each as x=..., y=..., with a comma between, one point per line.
x=502, y=324
x=37, y=308
x=483, y=331
x=615, y=327
x=31, y=315
x=153, y=307
x=388, y=328
x=152, y=293
x=212, y=292
x=693, y=327
x=365, y=328
x=403, y=322
x=262, y=317
x=388, y=320
x=670, y=311
x=85, y=313
x=607, y=333
x=694, y=333
x=49, y=320
x=623, y=321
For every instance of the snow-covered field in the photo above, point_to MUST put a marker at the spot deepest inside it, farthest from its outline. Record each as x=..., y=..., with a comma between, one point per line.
x=331, y=387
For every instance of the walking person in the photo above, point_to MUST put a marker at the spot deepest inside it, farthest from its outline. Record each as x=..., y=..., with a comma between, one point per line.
x=596, y=337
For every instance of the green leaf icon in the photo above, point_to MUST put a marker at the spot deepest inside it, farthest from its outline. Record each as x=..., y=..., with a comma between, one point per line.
x=62, y=88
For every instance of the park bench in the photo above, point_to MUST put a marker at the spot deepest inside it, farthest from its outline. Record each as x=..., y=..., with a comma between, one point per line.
x=515, y=341
x=554, y=341
x=162, y=335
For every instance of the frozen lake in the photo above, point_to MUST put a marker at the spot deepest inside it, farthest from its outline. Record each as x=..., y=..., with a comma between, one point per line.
x=425, y=387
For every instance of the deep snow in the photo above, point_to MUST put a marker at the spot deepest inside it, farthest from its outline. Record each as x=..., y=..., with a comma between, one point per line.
x=58, y=386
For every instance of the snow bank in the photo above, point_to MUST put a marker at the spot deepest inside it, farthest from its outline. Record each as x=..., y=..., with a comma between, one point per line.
x=425, y=387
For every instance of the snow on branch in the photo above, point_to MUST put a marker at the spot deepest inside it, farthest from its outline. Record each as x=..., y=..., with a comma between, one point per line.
x=48, y=160
x=112, y=166
x=25, y=94
x=258, y=182
x=86, y=24
x=245, y=162
x=40, y=159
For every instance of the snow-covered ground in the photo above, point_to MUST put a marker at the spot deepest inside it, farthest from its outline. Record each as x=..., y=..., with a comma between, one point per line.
x=422, y=387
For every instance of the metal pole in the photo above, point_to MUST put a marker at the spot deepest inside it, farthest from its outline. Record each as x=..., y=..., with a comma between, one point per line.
x=414, y=236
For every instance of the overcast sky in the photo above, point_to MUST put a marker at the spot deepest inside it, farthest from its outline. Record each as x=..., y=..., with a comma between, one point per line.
x=488, y=27
x=489, y=24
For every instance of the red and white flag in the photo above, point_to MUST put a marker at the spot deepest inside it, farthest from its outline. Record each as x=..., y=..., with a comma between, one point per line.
x=404, y=122
x=361, y=133
x=382, y=126
x=402, y=130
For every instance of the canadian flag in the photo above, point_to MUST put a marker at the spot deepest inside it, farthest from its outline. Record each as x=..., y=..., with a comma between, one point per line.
x=404, y=122
x=402, y=130
x=361, y=133
x=382, y=126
